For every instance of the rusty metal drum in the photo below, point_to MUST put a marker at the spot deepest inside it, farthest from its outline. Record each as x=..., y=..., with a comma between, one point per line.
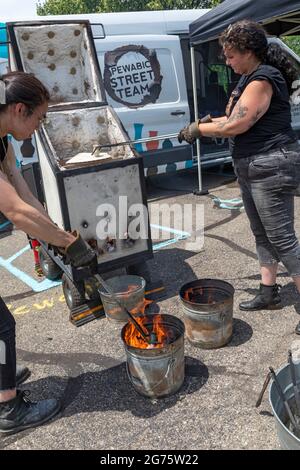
x=208, y=311
x=157, y=372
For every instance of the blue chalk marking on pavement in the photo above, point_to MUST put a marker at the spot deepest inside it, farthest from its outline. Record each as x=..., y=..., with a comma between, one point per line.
x=158, y=246
x=28, y=280
x=47, y=284
x=181, y=236
x=16, y=255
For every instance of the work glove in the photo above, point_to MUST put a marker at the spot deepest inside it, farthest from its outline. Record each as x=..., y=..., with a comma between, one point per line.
x=79, y=253
x=191, y=133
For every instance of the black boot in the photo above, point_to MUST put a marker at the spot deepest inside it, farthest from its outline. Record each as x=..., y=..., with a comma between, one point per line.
x=21, y=413
x=22, y=374
x=297, y=329
x=268, y=298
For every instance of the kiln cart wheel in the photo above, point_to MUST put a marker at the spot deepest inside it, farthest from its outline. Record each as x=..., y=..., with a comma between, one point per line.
x=74, y=294
x=50, y=269
x=91, y=287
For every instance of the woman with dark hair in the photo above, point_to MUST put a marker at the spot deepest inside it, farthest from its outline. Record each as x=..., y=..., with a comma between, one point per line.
x=23, y=105
x=265, y=151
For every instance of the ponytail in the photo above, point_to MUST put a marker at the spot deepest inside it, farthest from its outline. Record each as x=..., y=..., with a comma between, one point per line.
x=21, y=87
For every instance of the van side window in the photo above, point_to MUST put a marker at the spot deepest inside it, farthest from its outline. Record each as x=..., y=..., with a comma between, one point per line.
x=219, y=80
x=170, y=92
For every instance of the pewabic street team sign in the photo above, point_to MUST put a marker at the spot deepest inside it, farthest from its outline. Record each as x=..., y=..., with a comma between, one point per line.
x=132, y=75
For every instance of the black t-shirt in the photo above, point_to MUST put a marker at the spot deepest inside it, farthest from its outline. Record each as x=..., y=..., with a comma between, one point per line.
x=3, y=147
x=274, y=127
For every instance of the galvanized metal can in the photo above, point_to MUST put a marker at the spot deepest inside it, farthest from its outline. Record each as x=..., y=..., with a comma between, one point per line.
x=157, y=372
x=128, y=291
x=208, y=317
x=287, y=439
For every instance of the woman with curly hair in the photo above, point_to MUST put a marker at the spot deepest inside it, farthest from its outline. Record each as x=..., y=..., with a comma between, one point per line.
x=265, y=151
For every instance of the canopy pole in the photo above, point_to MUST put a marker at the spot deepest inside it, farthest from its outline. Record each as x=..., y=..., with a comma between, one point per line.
x=199, y=191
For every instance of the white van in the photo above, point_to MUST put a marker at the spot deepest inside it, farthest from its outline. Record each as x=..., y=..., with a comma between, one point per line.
x=143, y=58
x=3, y=66
x=146, y=68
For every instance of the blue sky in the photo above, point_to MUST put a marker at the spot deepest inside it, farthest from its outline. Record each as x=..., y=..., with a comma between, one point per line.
x=17, y=9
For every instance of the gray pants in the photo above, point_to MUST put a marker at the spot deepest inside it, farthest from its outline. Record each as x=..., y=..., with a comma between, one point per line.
x=268, y=182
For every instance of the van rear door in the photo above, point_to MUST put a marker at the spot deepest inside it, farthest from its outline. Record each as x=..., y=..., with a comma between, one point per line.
x=145, y=84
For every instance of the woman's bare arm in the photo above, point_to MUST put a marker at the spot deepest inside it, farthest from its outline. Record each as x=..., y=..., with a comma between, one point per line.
x=28, y=218
x=18, y=182
x=252, y=105
x=220, y=119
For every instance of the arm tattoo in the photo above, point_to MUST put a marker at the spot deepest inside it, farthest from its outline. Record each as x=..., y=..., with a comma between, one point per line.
x=235, y=116
x=239, y=112
x=256, y=117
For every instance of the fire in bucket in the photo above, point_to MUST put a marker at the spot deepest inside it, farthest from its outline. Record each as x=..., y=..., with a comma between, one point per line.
x=155, y=370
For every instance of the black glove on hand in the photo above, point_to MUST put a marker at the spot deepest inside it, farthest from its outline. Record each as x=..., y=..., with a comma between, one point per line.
x=79, y=253
x=191, y=133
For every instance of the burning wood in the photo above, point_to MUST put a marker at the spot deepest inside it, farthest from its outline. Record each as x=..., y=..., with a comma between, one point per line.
x=208, y=311
x=164, y=334
x=199, y=295
x=153, y=371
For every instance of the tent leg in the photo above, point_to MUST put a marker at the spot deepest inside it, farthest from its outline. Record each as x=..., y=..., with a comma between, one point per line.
x=200, y=191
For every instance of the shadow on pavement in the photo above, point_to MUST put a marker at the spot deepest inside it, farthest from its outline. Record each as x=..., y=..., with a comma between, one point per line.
x=108, y=389
x=242, y=332
x=170, y=184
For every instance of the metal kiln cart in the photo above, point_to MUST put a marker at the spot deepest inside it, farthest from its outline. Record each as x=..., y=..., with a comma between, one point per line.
x=62, y=55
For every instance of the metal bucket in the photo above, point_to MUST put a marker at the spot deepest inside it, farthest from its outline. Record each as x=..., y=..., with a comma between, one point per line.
x=287, y=439
x=208, y=313
x=129, y=297
x=157, y=372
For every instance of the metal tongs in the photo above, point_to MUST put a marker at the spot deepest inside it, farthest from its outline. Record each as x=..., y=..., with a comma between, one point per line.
x=205, y=119
x=150, y=338
x=294, y=419
x=137, y=141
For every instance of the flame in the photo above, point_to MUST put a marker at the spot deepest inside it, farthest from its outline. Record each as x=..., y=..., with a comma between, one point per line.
x=135, y=339
x=132, y=336
x=161, y=332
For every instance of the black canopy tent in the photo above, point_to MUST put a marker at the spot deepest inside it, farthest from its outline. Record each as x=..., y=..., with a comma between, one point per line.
x=279, y=17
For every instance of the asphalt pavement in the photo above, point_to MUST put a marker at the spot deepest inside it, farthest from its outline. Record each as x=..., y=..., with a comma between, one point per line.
x=85, y=367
